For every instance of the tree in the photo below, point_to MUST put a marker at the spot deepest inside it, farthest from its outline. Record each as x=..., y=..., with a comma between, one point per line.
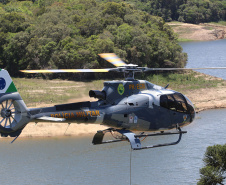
x=12, y=22
x=50, y=34
x=214, y=171
x=113, y=8
x=192, y=11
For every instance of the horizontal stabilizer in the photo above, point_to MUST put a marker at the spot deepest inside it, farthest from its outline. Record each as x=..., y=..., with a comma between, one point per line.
x=46, y=118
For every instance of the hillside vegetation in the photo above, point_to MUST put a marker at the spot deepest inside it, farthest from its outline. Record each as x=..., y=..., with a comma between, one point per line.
x=189, y=11
x=71, y=33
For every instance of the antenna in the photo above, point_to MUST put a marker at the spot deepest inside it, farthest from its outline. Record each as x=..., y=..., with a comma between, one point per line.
x=67, y=128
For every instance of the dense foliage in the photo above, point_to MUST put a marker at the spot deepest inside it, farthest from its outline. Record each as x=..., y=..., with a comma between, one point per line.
x=215, y=166
x=190, y=11
x=71, y=34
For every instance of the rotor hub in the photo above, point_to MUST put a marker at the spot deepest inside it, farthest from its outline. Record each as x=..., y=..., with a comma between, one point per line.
x=6, y=113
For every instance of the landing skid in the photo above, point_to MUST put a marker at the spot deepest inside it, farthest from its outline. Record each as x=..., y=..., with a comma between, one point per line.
x=134, y=139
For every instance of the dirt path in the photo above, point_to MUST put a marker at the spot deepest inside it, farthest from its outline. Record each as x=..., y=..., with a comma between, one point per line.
x=199, y=32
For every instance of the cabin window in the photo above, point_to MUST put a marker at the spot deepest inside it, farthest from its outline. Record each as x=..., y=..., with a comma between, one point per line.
x=175, y=102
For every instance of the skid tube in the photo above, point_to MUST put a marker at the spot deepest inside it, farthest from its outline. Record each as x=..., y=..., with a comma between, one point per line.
x=134, y=139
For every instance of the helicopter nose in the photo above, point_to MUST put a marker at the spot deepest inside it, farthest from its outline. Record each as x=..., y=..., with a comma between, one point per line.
x=192, y=117
x=192, y=112
x=190, y=109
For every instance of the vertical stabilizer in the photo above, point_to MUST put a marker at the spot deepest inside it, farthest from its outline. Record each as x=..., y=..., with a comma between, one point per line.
x=6, y=83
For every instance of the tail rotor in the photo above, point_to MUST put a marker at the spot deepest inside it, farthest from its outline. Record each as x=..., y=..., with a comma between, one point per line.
x=13, y=111
x=10, y=114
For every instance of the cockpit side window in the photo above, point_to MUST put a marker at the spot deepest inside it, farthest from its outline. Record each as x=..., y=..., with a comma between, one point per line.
x=175, y=102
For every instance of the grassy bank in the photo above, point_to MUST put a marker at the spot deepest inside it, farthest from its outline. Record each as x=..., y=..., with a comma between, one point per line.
x=39, y=91
x=186, y=80
x=181, y=31
x=184, y=40
x=220, y=23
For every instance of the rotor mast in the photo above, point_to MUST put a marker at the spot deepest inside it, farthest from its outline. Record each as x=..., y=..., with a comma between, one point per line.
x=129, y=71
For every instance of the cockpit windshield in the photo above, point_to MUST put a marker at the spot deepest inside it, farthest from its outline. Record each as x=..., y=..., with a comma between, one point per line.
x=176, y=102
x=149, y=85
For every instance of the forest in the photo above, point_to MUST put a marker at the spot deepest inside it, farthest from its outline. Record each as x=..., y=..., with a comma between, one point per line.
x=70, y=34
x=189, y=11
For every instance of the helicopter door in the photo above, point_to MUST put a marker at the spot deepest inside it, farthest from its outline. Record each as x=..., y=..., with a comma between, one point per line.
x=137, y=106
x=175, y=117
x=120, y=113
x=164, y=117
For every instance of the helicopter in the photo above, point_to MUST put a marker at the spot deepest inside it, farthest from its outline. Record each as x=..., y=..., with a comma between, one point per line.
x=124, y=106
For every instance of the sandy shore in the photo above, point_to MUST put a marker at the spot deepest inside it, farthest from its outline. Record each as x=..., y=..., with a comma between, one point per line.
x=203, y=99
x=199, y=32
x=209, y=98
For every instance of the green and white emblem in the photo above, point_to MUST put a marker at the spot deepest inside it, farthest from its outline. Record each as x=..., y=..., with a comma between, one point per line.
x=121, y=89
x=6, y=83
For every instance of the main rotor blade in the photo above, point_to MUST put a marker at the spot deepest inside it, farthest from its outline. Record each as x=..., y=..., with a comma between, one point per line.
x=174, y=69
x=113, y=59
x=119, y=69
x=66, y=70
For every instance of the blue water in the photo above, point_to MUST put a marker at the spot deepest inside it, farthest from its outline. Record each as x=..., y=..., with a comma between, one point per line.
x=207, y=54
x=74, y=160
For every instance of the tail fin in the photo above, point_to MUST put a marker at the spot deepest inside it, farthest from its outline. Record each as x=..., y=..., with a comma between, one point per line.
x=6, y=83
x=13, y=111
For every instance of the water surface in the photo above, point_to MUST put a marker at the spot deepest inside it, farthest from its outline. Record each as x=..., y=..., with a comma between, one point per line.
x=207, y=54
x=74, y=160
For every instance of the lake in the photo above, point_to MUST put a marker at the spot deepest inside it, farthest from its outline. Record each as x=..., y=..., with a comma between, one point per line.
x=207, y=54
x=74, y=160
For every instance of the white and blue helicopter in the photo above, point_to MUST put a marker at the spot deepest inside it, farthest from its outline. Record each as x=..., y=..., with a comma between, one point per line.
x=125, y=106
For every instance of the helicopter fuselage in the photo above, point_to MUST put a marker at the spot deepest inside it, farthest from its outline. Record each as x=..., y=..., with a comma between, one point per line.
x=133, y=105
x=122, y=105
